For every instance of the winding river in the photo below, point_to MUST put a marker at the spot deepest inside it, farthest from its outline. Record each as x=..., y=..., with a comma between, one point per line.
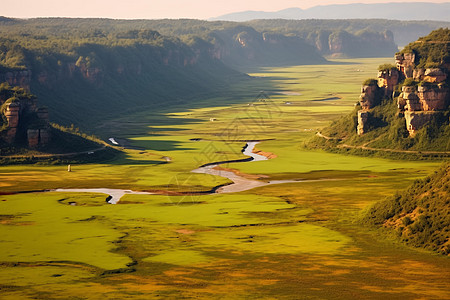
x=114, y=194
x=239, y=184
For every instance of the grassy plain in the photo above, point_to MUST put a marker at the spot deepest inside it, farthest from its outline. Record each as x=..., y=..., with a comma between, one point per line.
x=287, y=241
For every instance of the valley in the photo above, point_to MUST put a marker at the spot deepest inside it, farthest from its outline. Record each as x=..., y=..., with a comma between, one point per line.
x=302, y=238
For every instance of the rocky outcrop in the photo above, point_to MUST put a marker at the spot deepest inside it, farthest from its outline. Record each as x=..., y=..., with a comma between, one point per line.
x=434, y=75
x=23, y=119
x=369, y=96
x=17, y=78
x=420, y=103
x=406, y=64
x=430, y=96
x=416, y=120
x=410, y=98
x=417, y=103
x=243, y=45
x=12, y=118
x=387, y=80
x=40, y=134
x=38, y=137
x=433, y=97
x=363, y=117
x=344, y=43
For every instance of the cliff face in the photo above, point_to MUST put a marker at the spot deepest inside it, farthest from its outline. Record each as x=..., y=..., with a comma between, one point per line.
x=419, y=103
x=369, y=97
x=94, y=73
x=343, y=43
x=17, y=78
x=88, y=77
x=388, y=79
x=424, y=91
x=23, y=122
x=244, y=46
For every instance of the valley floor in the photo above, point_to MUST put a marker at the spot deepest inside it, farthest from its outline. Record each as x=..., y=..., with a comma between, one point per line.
x=298, y=240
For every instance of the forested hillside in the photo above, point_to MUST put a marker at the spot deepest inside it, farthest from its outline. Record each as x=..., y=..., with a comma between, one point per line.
x=87, y=70
x=420, y=216
x=403, y=31
x=25, y=131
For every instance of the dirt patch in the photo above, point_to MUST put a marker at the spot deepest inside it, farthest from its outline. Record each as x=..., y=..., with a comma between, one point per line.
x=397, y=222
x=269, y=155
x=13, y=223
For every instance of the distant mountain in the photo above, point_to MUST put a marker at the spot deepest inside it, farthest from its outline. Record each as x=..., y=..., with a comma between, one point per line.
x=393, y=11
x=404, y=31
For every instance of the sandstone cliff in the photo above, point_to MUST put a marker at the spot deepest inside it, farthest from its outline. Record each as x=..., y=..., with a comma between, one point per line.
x=244, y=46
x=344, y=43
x=21, y=121
x=407, y=107
x=424, y=90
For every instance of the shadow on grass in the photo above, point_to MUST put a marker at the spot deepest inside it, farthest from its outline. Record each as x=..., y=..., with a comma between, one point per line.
x=166, y=145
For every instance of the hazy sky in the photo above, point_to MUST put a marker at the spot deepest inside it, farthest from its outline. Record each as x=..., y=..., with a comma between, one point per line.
x=156, y=9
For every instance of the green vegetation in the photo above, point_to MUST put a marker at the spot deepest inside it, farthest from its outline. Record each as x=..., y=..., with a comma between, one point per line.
x=385, y=128
x=403, y=31
x=11, y=95
x=387, y=67
x=63, y=140
x=158, y=88
x=421, y=215
x=105, y=68
x=432, y=51
x=370, y=81
x=271, y=242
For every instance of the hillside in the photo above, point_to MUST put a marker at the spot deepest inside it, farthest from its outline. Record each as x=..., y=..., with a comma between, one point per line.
x=406, y=108
x=26, y=135
x=89, y=70
x=420, y=216
x=395, y=11
x=403, y=31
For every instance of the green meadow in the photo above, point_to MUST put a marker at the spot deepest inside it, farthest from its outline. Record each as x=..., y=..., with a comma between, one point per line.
x=287, y=241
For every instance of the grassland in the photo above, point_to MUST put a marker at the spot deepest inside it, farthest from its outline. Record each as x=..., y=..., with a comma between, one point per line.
x=288, y=241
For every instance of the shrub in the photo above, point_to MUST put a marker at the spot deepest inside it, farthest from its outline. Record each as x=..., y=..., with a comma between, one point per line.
x=407, y=221
x=410, y=82
x=387, y=67
x=370, y=81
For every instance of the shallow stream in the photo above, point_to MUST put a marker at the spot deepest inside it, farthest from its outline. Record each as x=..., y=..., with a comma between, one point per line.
x=239, y=184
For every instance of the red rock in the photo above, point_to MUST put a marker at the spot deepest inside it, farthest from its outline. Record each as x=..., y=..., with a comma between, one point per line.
x=416, y=120
x=363, y=116
x=368, y=96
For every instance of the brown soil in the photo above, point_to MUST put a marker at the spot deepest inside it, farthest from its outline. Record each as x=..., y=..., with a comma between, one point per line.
x=269, y=155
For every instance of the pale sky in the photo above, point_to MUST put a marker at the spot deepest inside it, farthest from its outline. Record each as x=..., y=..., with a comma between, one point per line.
x=157, y=9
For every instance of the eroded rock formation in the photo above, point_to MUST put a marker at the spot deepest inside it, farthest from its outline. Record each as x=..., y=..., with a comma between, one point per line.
x=417, y=102
x=369, y=95
x=12, y=119
x=405, y=63
x=387, y=80
x=17, y=78
x=363, y=117
x=25, y=123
